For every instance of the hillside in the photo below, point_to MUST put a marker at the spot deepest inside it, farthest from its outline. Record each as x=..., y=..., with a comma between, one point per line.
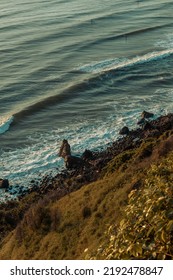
x=123, y=211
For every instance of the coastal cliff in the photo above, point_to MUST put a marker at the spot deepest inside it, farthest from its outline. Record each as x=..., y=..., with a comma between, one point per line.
x=119, y=207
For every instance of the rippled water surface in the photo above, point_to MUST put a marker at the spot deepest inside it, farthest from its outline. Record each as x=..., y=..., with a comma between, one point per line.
x=78, y=70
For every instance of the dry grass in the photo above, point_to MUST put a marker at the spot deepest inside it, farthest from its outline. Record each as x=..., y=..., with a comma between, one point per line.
x=64, y=228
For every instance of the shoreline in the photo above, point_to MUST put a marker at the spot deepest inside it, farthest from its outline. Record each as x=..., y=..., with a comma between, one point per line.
x=117, y=170
x=118, y=154
x=97, y=160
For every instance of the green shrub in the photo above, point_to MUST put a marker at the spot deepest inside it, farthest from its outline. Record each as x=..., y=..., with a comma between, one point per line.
x=146, y=231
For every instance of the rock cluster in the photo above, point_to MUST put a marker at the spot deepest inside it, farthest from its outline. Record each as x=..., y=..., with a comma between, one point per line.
x=86, y=169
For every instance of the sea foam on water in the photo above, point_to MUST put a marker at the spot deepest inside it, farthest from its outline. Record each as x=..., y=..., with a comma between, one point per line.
x=5, y=123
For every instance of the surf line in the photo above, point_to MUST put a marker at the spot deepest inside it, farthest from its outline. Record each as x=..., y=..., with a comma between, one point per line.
x=120, y=63
x=5, y=124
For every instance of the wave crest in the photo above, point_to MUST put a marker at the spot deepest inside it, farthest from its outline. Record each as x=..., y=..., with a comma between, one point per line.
x=120, y=63
x=5, y=123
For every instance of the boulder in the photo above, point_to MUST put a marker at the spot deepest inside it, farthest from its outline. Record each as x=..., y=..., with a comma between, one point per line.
x=124, y=131
x=147, y=126
x=146, y=115
x=4, y=183
x=73, y=162
x=87, y=155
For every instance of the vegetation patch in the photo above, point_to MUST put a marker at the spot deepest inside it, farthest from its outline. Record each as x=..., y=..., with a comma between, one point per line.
x=145, y=149
x=119, y=161
x=126, y=213
x=146, y=230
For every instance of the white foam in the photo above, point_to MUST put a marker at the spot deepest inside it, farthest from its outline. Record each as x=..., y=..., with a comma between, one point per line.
x=5, y=123
x=120, y=63
x=167, y=43
x=98, y=66
x=22, y=165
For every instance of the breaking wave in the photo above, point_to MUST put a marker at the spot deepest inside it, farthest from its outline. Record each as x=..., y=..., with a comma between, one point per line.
x=120, y=63
x=5, y=123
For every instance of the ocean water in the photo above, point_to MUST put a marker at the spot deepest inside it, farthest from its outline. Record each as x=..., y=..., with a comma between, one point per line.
x=78, y=70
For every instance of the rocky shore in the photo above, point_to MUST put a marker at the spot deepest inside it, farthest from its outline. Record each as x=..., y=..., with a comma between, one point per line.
x=92, y=162
x=95, y=161
x=151, y=136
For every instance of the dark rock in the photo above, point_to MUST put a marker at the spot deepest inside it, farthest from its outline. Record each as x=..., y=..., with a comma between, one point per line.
x=147, y=126
x=20, y=191
x=152, y=133
x=65, y=149
x=79, y=178
x=87, y=155
x=73, y=162
x=146, y=115
x=32, y=181
x=4, y=183
x=141, y=121
x=124, y=131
